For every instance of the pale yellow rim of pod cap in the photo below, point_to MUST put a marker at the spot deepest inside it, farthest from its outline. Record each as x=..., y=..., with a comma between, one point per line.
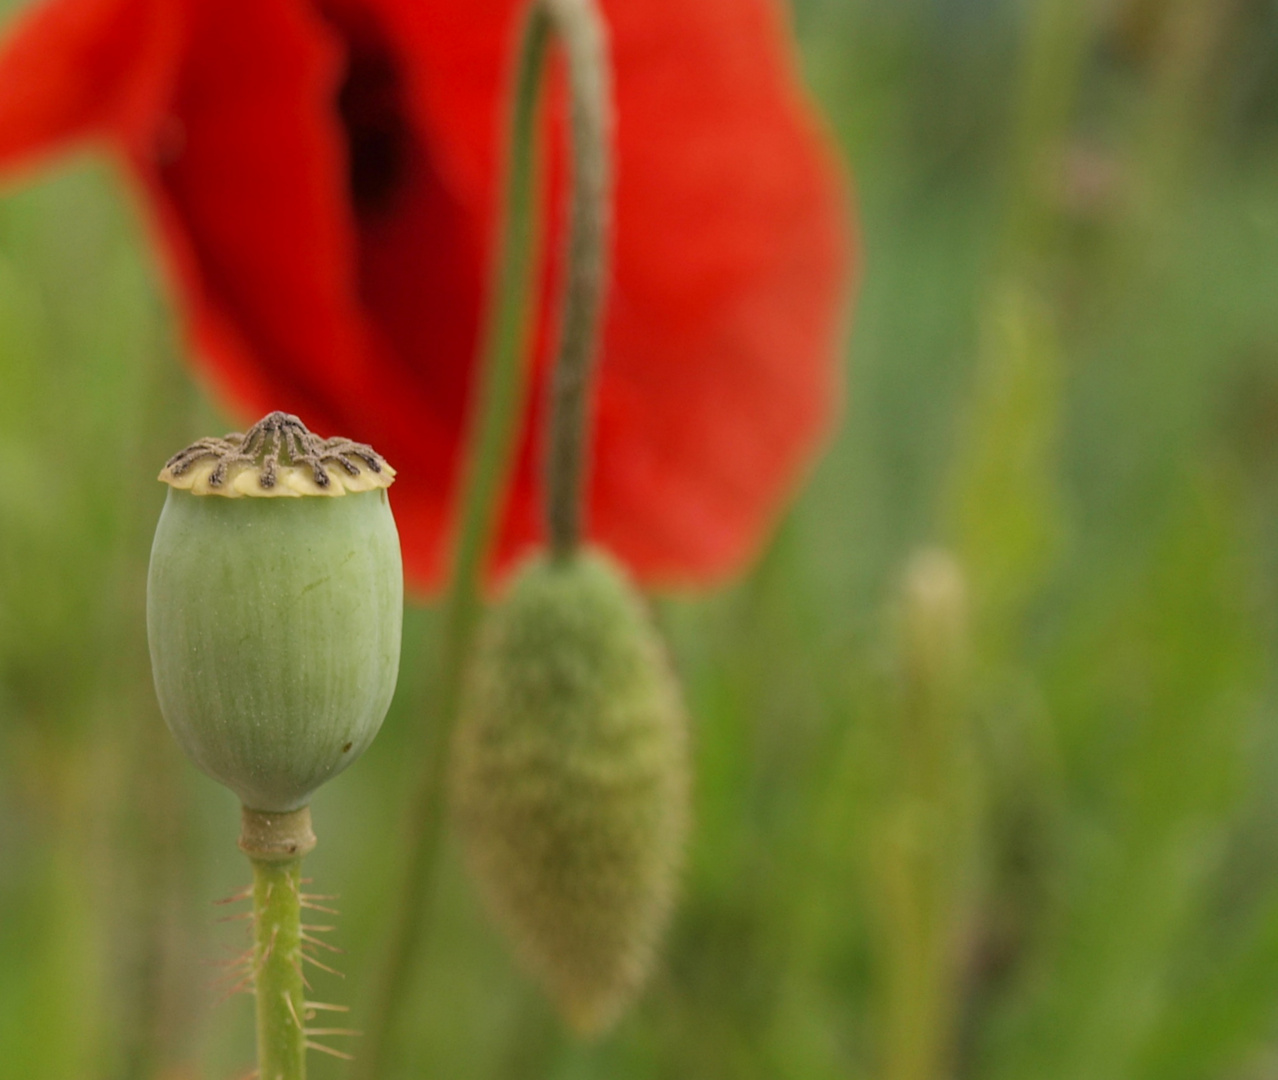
x=278, y=457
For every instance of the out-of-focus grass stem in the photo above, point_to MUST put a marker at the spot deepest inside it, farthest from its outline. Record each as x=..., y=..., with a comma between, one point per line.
x=1006, y=522
x=1003, y=512
x=1057, y=39
x=924, y=854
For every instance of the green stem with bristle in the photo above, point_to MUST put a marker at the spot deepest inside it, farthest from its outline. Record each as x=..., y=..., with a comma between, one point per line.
x=277, y=966
x=495, y=424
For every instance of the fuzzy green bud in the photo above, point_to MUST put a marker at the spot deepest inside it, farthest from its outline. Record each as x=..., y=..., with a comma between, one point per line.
x=274, y=608
x=571, y=781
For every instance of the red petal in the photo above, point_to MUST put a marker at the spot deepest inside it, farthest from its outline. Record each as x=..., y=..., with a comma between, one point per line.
x=78, y=67
x=721, y=355
x=287, y=297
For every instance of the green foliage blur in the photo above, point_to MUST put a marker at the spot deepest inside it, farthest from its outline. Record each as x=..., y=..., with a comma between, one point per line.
x=1063, y=369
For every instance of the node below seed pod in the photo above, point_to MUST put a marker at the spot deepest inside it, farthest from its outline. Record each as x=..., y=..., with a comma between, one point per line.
x=570, y=781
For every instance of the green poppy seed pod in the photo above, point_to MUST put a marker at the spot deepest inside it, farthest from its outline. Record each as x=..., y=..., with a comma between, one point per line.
x=274, y=607
x=570, y=782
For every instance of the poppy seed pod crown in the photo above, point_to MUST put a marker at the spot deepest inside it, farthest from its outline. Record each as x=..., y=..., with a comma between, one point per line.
x=274, y=607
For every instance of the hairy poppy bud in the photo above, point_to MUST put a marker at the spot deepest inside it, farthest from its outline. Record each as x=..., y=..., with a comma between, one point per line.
x=274, y=607
x=571, y=781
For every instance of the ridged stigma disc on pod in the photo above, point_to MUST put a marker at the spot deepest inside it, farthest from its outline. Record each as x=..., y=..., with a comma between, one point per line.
x=571, y=781
x=274, y=607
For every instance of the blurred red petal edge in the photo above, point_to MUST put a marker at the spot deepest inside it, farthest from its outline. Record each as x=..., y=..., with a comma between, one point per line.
x=72, y=69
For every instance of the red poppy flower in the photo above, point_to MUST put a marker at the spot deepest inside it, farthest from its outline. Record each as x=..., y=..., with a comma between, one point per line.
x=322, y=175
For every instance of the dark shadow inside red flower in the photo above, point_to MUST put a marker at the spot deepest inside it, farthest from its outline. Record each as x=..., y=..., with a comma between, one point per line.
x=418, y=256
x=373, y=111
x=417, y=250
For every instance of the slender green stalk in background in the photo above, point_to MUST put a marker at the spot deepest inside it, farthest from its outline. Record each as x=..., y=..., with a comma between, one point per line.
x=496, y=422
x=1058, y=36
x=925, y=850
x=1005, y=517
x=937, y=862
x=277, y=962
x=498, y=406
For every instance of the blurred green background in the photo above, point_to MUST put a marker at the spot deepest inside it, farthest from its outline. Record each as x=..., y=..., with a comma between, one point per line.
x=1063, y=367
